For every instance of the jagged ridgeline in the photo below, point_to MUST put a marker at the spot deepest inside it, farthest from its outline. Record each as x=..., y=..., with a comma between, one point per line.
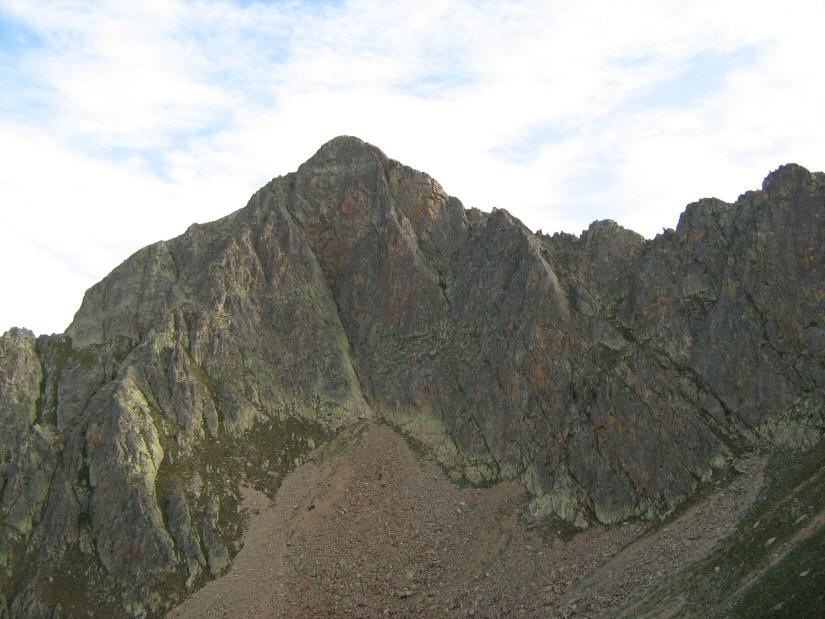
x=608, y=373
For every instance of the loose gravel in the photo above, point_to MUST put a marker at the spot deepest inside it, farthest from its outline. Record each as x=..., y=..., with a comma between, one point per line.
x=367, y=528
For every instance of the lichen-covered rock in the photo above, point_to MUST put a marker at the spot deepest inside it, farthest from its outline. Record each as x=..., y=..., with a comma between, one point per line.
x=609, y=373
x=216, y=552
x=28, y=479
x=179, y=520
x=124, y=455
x=20, y=376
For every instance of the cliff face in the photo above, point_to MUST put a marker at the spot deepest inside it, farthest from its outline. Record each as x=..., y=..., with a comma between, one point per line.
x=607, y=373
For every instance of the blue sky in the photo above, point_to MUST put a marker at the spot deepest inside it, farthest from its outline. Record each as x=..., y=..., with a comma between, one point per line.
x=123, y=122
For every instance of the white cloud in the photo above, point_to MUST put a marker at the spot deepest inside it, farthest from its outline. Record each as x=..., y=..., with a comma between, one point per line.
x=148, y=116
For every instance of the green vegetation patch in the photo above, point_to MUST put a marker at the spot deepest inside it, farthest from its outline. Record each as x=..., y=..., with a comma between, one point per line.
x=261, y=458
x=774, y=561
x=794, y=587
x=79, y=585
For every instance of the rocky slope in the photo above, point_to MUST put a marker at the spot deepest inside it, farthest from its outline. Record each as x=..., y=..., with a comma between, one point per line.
x=608, y=374
x=368, y=528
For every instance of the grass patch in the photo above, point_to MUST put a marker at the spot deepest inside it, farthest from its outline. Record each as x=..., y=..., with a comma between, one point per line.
x=795, y=587
x=746, y=573
x=80, y=586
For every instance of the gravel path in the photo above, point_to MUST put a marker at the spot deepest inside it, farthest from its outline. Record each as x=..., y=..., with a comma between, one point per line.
x=368, y=528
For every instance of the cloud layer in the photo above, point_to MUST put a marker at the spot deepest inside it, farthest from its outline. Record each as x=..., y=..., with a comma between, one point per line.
x=121, y=123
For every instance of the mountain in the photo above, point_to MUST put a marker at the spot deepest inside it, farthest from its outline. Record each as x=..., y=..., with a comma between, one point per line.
x=610, y=375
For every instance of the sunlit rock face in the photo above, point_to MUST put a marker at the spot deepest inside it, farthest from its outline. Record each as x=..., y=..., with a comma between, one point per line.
x=608, y=373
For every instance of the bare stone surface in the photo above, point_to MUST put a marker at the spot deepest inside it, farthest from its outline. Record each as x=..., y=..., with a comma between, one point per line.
x=607, y=374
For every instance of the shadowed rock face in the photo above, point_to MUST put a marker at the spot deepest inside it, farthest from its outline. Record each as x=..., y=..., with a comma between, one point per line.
x=607, y=373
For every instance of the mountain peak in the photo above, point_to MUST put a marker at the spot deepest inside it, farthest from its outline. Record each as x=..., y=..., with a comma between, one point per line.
x=608, y=375
x=788, y=177
x=342, y=151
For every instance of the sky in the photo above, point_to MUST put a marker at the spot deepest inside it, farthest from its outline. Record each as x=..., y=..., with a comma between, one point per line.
x=121, y=123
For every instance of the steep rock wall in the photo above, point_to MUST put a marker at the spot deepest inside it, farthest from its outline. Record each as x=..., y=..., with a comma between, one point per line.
x=608, y=373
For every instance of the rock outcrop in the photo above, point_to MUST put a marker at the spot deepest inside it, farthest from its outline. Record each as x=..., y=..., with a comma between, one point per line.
x=608, y=373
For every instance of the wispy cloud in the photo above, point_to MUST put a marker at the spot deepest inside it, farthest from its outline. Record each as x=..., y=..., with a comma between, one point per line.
x=692, y=80
x=122, y=122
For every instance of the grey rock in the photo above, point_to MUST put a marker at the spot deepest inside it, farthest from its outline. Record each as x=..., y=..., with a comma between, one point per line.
x=180, y=527
x=216, y=551
x=20, y=377
x=609, y=373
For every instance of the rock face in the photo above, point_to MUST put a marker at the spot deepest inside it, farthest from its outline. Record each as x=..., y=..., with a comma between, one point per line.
x=607, y=373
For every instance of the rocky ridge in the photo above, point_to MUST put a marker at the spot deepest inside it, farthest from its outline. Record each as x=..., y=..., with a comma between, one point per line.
x=608, y=374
